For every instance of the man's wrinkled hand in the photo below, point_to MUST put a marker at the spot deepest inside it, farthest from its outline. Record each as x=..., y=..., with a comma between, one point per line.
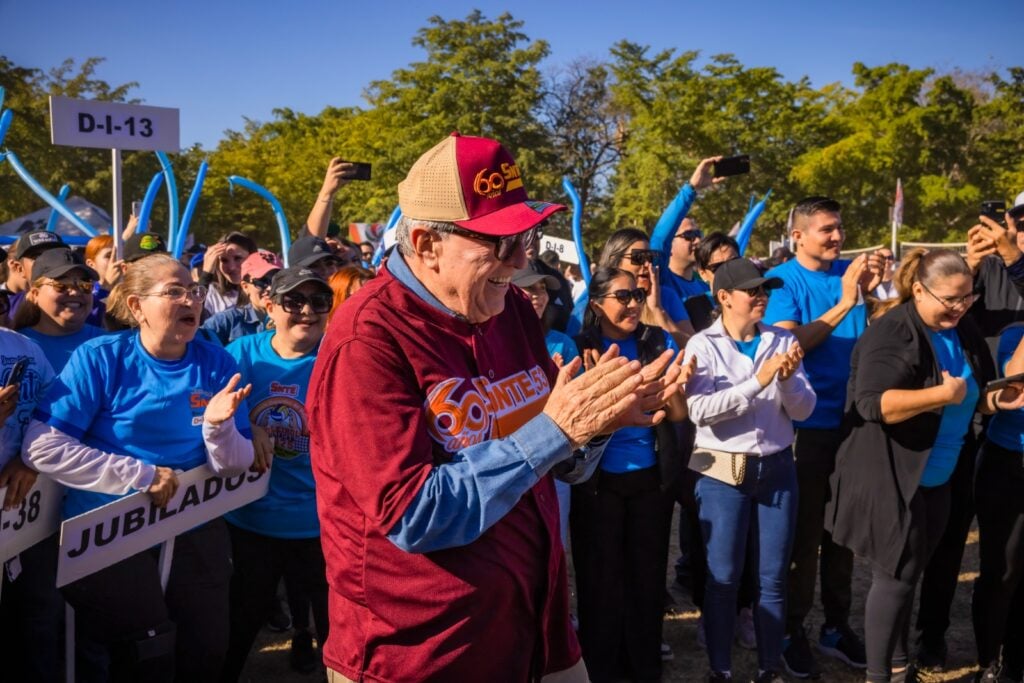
x=589, y=404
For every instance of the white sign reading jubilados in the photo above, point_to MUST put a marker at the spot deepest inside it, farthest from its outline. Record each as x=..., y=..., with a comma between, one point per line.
x=129, y=525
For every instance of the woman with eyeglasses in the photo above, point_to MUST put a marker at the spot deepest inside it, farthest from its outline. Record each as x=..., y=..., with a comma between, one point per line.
x=126, y=413
x=748, y=388
x=917, y=378
x=279, y=534
x=621, y=517
x=54, y=311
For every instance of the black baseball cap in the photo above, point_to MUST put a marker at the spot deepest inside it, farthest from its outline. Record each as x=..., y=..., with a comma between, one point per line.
x=33, y=243
x=143, y=244
x=288, y=279
x=741, y=273
x=309, y=249
x=531, y=275
x=55, y=263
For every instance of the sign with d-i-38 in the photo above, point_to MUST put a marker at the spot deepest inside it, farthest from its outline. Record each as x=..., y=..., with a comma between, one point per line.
x=113, y=125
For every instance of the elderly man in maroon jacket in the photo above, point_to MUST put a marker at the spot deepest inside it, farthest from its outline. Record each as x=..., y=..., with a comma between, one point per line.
x=438, y=421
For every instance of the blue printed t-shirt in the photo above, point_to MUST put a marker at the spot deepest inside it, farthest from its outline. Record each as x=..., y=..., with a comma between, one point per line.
x=1006, y=428
x=277, y=403
x=58, y=348
x=805, y=296
x=956, y=419
x=630, y=448
x=114, y=396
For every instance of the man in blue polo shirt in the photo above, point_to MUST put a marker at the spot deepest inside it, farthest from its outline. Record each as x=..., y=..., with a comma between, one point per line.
x=822, y=302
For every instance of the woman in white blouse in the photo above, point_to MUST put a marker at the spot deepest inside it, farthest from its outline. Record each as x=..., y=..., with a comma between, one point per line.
x=748, y=388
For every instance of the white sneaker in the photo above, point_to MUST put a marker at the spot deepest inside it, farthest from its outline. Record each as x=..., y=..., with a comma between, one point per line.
x=666, y=653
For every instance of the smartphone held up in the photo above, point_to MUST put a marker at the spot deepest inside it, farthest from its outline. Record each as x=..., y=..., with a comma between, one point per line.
x=730, y=166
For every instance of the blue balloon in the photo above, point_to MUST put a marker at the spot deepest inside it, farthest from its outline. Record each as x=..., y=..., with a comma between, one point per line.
x=147, y=202
x=749, y=221
x=5, y=123
x=378, y=254
x=34, y=185
x=577, y=227
x=282, y=222
x=190, y=208
x=51, y=224
x=172, y=196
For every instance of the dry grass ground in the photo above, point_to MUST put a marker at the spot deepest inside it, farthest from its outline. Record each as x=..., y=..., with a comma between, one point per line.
x=269, y=660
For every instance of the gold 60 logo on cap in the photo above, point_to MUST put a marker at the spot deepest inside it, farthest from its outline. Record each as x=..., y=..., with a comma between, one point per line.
x=490, y=184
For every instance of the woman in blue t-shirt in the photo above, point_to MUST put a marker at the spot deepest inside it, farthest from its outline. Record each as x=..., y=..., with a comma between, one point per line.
x=279, y=535
x=999, y=497
x=917, y=378
x=56, y=307
x=128, y=411
x=621, y=518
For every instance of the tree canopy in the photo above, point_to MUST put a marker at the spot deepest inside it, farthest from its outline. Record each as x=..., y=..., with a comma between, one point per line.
x=628, y=130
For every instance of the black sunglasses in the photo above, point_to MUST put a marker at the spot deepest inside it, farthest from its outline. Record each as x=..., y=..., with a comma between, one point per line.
x=690, y=235
x=715, y=266
x=623, y=296
x=638, y=257
x=504, y=246
x=295, y=302
x=760, y=290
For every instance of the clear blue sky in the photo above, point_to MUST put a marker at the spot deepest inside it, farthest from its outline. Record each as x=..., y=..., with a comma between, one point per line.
x=220, y=61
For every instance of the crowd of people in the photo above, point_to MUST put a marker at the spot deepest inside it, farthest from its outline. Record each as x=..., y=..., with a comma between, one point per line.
x=445, y=429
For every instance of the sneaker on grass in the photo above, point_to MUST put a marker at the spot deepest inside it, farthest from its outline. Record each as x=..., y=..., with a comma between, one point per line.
x=797, y=656
x=843, y=644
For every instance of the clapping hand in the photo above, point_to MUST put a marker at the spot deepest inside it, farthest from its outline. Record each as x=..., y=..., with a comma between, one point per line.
x=226, y=401
x=790, y=362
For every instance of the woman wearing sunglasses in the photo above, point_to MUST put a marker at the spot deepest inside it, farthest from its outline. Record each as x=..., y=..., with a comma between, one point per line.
x=629, y=249
x=279, y=533
x=622, y=516
x=917, y=378
x=748, y=387
x=54, y=311
x=127, y=411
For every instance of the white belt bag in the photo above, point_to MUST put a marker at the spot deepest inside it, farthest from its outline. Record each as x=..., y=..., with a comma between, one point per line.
x=724, y=466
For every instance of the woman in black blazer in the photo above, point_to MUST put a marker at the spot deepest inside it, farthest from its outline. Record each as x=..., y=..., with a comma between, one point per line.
x=917, y=376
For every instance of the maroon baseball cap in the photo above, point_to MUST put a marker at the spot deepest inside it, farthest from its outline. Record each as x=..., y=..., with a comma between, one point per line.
x=475, y=184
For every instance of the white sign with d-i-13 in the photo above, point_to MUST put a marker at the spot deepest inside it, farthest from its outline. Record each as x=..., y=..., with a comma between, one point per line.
x=101, y=537
x=37, y=517
x=113, y=125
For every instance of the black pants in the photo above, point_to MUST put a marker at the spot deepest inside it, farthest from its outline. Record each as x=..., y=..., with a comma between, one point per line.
x=260, y=563
x=941, y=576
x=815, y=453
x=891, y=597
x=624, y=525
x=998, y=603
x=32, y=618
x=152, y=635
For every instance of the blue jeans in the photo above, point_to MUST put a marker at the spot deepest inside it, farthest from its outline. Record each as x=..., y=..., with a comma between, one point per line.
x=760, y=514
